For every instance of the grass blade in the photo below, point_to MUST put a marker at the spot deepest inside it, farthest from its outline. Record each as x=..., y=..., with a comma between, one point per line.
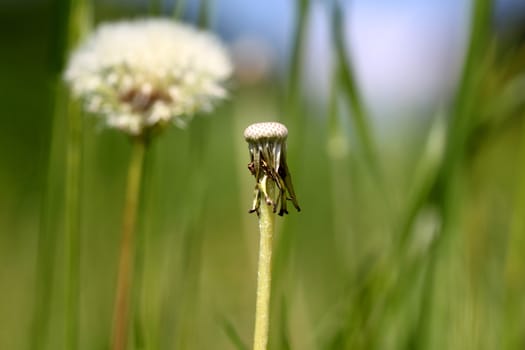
x=351, y=91
x=450, y=174
x=296, y=58
x=231, y=333
x=204, y=19
x=179, y=9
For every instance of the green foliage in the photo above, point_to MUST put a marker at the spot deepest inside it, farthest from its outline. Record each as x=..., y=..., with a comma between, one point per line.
x=412, y=247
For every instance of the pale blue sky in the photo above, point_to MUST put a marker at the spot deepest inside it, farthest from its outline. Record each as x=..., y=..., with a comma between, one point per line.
x=406, y=51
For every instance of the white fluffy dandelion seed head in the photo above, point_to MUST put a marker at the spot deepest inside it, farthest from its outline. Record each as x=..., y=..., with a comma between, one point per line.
x=137, y=74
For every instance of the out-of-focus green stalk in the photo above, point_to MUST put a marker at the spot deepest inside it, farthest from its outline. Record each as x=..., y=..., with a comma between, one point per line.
x=359, y=114
x=73, y=18
x=193, y=235
x=338, y=151
x=188, y=303
x=462, y=116
x=284, y=331
x=424, y=180
x=47, y=238
x=334, y=124
x=515, y=264
x=204, y=19
x=80, y=23
x=450, y=176
x=425, y=176
x=144, y=305
x=231, y=333
x=72, y=213
x=461, y=121
x=178, y=9
x=296, y=59
x=155, y=7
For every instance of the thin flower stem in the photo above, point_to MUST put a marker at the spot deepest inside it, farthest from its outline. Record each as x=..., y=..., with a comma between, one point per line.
x=72, y=239
x=264, y=278
x=126, y=260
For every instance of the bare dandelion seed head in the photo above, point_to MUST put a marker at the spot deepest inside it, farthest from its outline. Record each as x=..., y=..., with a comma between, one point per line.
x=267, y=147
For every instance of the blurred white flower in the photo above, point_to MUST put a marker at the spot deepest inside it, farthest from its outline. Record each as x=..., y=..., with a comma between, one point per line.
x=142, y=74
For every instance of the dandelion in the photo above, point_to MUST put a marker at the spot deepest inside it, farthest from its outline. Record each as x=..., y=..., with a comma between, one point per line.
x=267, y=146
x=139, y=77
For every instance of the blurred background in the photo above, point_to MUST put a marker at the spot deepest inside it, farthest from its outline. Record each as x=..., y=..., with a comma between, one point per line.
x=407, y=151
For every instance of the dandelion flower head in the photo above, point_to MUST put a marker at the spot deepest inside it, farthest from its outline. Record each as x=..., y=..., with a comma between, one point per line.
x=267, y=146
x=143, y=74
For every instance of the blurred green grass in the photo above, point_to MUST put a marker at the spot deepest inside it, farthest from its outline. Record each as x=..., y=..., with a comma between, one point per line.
x=340, y=284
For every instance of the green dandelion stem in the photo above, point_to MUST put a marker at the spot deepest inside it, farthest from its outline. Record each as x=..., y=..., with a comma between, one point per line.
x=262, y=308
x=126, y=259
x=267, y=146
